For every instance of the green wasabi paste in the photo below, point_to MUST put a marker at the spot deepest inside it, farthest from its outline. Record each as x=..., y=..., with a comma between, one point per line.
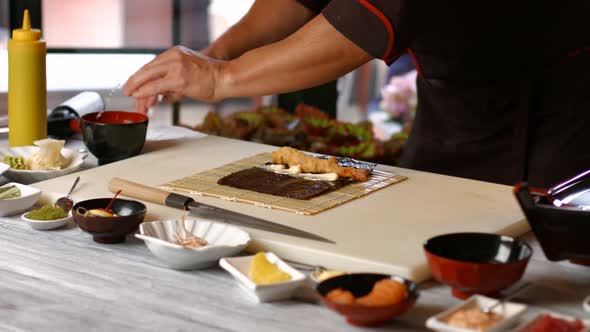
x=47, y=212
x=15, y=162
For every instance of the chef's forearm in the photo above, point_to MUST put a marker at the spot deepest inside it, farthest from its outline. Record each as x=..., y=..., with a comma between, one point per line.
x=315, y=54
x=266, y=22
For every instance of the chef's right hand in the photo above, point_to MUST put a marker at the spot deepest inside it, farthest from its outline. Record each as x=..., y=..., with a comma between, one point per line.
x=142, y=105
x=174, y=74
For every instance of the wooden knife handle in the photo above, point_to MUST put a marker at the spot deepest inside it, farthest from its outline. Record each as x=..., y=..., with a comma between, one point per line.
x=138, y=191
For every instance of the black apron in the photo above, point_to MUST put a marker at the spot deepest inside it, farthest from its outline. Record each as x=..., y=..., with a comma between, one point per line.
x=499, y=103
x=503, y=90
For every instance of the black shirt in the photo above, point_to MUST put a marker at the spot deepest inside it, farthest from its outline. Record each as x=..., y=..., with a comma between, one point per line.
x=502, y=84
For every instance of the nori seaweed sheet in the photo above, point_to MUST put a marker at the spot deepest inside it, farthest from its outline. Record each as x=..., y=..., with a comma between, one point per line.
x=267, y=182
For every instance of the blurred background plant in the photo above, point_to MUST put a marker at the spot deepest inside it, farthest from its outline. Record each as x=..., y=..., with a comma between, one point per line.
x=399, y=98
x=309, y=129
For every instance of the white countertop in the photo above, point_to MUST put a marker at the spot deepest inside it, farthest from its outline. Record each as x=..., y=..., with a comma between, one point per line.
x=62, y=281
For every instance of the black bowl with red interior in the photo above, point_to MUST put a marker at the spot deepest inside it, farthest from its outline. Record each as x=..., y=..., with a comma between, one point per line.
x=114, y=135
x=560, y=217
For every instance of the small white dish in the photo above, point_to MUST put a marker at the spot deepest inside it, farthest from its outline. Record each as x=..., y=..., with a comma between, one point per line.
x=29, y=196
x=239, y=267
x=45, y=225
x=509, y=310
x=76, y=159
x=3, y=168
x=525, y=325
x=223, y=240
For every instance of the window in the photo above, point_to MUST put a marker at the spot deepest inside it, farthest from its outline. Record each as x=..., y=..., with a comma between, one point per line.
x=140, y=24
x=116, y=36
x=4, y=17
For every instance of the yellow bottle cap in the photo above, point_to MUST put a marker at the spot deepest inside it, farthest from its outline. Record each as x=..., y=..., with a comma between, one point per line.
x=26, y=33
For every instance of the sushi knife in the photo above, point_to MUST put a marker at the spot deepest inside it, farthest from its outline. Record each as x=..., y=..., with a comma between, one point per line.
x=158, y=196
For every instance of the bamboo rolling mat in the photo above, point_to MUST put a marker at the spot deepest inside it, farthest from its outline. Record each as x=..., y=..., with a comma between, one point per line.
x=205, y=184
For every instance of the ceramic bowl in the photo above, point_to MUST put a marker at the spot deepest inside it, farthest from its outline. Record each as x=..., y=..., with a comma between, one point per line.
x=76, y=159
x=360, y=284
x=240, y=266
x=223, y=240
x=3, y=168
x=562, y=231
x=114, y=135
x=45, y=225
x=476, y=263
x=510, y=312
x=29, y=196
x=110, y=229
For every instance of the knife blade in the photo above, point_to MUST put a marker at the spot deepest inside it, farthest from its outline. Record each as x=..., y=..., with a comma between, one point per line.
x=205, y=211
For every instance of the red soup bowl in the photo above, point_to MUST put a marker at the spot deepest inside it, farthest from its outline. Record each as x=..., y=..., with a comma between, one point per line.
x=114, y=135
x=477, y=263
x=361, y=284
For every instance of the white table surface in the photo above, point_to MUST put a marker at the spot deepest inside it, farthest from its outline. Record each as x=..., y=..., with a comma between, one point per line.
x=62, y=281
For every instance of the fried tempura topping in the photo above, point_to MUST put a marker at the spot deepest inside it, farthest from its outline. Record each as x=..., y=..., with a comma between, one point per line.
x=310, y=164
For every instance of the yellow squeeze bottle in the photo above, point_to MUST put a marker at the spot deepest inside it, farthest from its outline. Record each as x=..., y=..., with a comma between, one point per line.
x=27, y=87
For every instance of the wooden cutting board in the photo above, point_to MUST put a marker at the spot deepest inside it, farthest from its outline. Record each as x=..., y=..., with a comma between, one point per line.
x=381, y=232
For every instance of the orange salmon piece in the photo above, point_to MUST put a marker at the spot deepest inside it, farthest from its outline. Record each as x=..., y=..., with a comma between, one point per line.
x=341, y=296
x=385, y=292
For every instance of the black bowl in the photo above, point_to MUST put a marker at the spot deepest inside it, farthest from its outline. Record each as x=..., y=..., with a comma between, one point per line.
x=561, y=230
x=110, y=229
x=115, y=135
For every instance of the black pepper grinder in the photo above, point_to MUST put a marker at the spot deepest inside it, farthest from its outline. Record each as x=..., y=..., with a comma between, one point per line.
x=64, y=120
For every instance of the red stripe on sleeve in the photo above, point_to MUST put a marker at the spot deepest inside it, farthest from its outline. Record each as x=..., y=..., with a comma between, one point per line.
x=386, y=23
x=415, y=60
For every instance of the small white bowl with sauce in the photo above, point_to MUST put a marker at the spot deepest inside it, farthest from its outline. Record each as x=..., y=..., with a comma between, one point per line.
x=240, y=266
x=509, y=312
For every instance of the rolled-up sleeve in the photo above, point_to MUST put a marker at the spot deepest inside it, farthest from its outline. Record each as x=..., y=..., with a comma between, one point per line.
x=371, y=25
x=315, y=6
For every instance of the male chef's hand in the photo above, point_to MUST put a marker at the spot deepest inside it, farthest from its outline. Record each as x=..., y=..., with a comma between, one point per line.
x=176, y=73
x=315, y=54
